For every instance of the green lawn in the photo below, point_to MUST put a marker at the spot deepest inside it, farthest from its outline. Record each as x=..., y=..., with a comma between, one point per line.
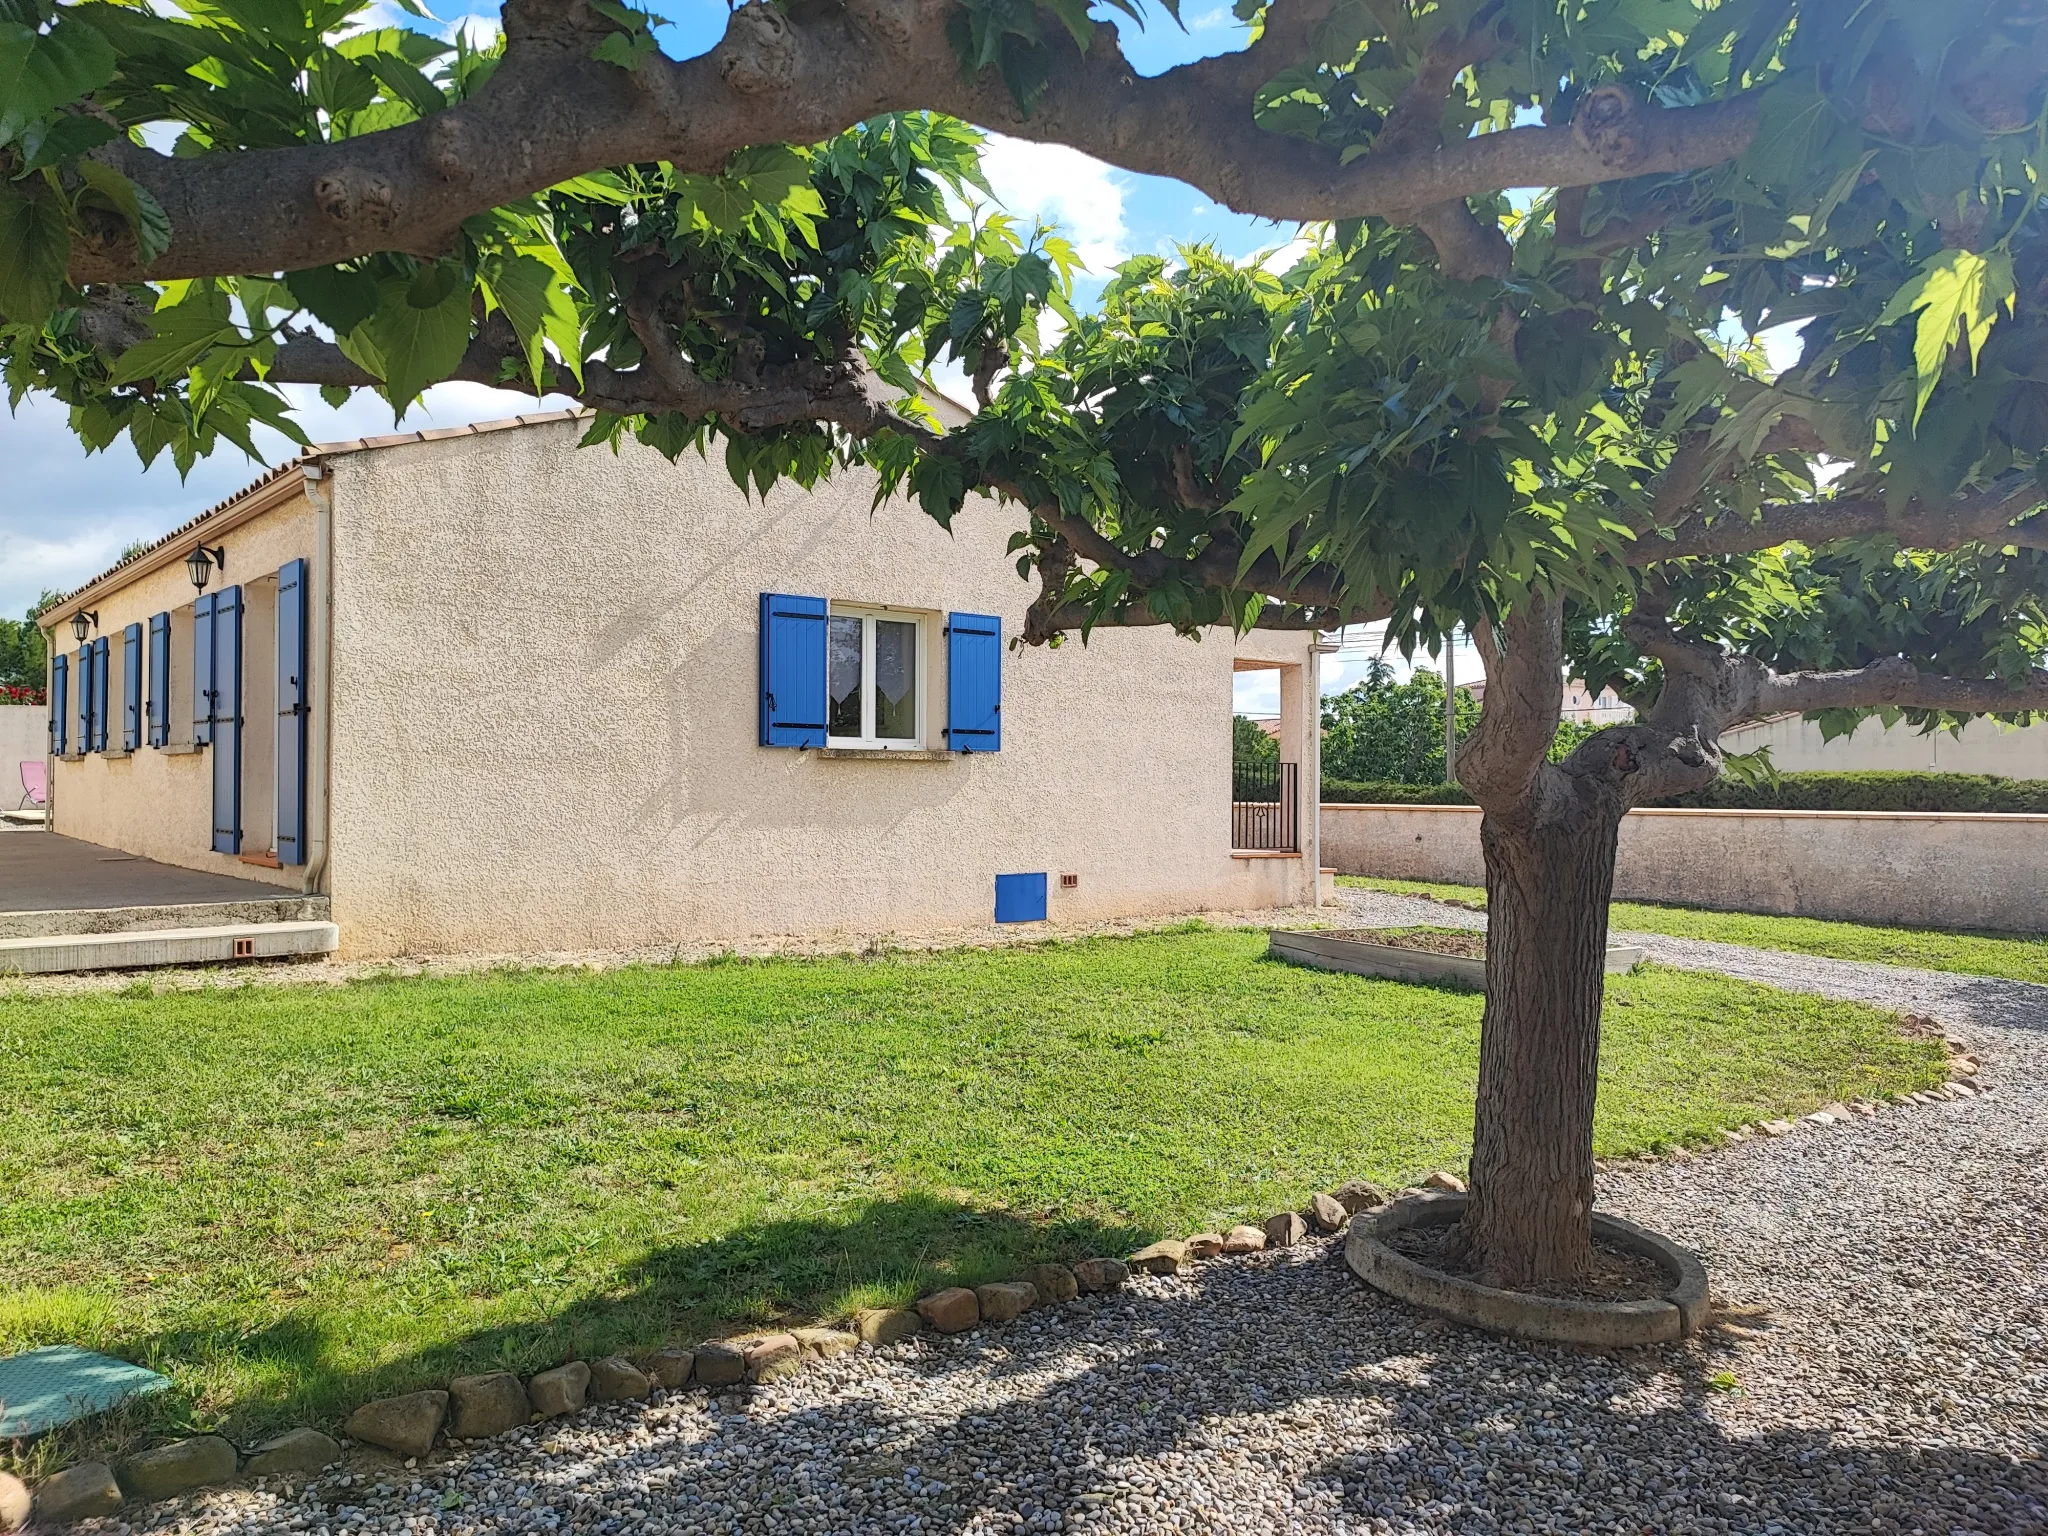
x=292, y=1198
x=2021, y=957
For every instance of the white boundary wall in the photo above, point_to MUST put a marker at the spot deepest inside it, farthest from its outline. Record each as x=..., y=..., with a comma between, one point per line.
x=24, y=736
x=1888, y=867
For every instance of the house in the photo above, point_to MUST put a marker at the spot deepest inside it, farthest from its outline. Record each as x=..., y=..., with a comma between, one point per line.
x=1580, y=704
x=482, y=690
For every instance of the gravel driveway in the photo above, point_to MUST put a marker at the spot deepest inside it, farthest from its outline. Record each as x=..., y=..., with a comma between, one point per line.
x=1893, y=1376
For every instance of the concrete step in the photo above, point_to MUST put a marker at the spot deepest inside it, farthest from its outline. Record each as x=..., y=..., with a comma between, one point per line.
x=141, y=949
x=282, y=908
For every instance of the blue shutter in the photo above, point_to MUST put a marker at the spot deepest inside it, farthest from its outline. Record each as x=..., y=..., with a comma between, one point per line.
x=1020, y=898
x=291, y=713
x=227, y=720
x=99, y=695
x=60, y=703
x=83, y=683
x=159, y=679
x=792, y=670
x=202, y=668
x=974, y=682
x=131, y=688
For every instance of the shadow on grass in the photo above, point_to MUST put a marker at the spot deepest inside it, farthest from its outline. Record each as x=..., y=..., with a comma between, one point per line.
x=884, y=1252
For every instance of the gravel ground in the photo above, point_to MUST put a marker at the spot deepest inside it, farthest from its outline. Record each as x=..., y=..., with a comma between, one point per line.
x=1885, y=1367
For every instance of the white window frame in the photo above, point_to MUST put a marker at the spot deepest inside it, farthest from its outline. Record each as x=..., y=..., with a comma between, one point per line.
x=868, y=613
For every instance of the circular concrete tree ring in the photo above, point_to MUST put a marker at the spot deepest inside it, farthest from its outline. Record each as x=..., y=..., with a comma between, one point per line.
x=1550, y=1319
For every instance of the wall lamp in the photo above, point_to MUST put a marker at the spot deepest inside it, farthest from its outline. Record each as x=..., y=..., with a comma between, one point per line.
x=200, y=568
x=84, y=622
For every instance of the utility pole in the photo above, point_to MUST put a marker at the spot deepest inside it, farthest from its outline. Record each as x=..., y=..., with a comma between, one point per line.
x=1451, y=706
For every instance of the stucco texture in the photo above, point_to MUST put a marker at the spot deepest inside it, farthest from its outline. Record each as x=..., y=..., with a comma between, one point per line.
x=1910, y=869
x=24, y=737
x=544, y=718
x=159, y=803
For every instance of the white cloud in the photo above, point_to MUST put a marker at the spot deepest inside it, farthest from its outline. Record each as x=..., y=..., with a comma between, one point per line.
x=1063, y=186
x=1212, y=20
x=67, y=515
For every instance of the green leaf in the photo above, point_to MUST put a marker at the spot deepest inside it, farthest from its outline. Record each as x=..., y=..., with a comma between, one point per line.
x=58, y=139
x=1955, y=291
x=182, y=334
x=41, y=71
x=338, y=298
x=35, y=246
x=535, y=300
x=409, y=346
x=135, y=203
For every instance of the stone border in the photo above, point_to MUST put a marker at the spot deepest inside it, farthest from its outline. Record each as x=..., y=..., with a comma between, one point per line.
x=1396, y=962
x=482, y=1406
x=1546, y=1319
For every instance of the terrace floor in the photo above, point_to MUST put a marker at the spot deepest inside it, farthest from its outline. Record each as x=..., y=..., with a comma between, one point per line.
x=44, y=872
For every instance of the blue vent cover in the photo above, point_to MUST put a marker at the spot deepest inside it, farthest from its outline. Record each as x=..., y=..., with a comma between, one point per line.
x=1020, y=898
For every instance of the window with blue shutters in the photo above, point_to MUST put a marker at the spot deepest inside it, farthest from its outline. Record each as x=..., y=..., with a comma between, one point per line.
x=202, y=668
x=792, y=670
x=81, y=680
x=974, y=682
x=131, y=688
x=291, y=713
x=60, y=704
x=226, y=629
x=99, y=694
x=159, y=706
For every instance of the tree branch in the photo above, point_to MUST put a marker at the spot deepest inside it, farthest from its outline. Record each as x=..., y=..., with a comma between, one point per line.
x=551, y=112
x=1984, y=516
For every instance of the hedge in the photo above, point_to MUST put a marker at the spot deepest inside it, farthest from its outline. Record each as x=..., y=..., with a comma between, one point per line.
x=1387, y=792
x=1873, y=791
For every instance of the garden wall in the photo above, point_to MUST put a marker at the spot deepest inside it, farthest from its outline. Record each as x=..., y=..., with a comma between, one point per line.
x=24, y=734
x=1911, y=868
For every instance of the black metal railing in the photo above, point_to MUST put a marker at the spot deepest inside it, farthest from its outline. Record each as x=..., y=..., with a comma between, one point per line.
x=1262, y=807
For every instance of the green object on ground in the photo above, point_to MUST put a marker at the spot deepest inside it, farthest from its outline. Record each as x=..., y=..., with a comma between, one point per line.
x=44, y=1389
x=296, y=1198
x=2016, y=956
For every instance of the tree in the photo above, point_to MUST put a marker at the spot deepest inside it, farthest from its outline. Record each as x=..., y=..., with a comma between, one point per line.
x=1250, y=746
x=21, y=650
x=1380, y=729
x=1538, y=416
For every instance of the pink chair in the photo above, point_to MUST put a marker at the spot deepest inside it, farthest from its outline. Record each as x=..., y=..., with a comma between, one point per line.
x=35, y=783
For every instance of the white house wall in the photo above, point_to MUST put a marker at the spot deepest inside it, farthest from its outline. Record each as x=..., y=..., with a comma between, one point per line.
x=545, y=718
x=1982, y=746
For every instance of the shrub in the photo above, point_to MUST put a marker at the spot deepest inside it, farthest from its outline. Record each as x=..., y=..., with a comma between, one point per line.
x=1386, y=792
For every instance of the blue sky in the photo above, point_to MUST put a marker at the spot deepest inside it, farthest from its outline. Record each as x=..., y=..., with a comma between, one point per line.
x=67, y=515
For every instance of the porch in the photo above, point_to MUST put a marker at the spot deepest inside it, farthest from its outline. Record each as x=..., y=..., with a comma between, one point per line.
x=68, y=905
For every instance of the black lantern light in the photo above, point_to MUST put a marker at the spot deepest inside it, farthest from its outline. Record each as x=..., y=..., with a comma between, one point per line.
x=201, y=568
x=84, y=622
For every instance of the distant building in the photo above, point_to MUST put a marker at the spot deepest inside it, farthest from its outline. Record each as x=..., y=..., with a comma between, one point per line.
x=1581, y=704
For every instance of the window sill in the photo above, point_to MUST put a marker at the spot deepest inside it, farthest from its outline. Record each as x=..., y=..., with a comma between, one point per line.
x=71, y=757
x=898, y=754
x=266, y=860
x=182, y=748
x=1264, y=853
x=117, y=755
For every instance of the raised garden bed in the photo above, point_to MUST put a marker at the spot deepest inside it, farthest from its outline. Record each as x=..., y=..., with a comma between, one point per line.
x=1373, y=1250
x=1455, y=955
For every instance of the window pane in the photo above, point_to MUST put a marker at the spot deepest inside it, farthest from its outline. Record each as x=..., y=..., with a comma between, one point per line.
x=895, y=679
x=842, y=716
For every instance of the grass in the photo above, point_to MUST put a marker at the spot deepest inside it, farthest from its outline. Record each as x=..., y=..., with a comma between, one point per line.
x=2019, y=957
x=291, y=1199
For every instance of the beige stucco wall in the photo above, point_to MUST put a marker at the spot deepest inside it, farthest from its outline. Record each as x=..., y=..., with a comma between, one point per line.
x=157, y=802
x=1982, y=746
x=1928, y=871
x=545, y=718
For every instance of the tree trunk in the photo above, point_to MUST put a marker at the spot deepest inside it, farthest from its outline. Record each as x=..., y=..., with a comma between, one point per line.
x=1548, y=883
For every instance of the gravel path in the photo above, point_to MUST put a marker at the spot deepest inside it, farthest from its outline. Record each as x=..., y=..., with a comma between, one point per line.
x=1891, y=1373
